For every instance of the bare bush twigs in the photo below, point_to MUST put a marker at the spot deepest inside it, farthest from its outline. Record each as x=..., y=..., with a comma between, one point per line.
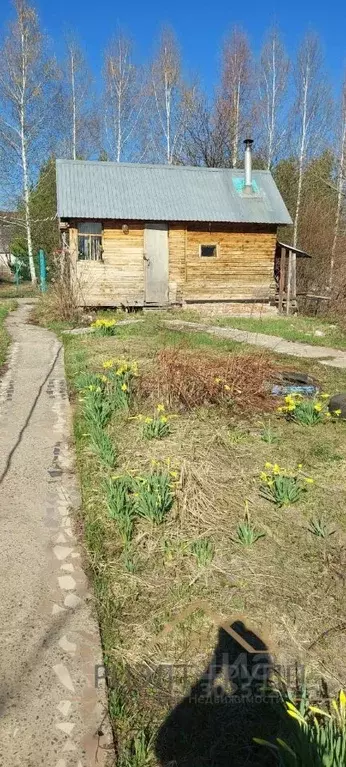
x=194, y=379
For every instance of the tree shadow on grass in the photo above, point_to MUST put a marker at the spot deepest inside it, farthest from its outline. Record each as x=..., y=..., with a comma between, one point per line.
x=214, y=725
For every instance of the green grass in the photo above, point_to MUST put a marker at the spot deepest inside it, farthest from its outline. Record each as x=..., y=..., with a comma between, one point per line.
x=4, y=335
x=291, y=328
x=287, y=583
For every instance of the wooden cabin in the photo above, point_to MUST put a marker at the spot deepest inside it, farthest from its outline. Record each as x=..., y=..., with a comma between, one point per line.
x=153, y=235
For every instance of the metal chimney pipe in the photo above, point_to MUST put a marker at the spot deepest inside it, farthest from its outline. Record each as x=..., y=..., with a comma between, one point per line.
x=248, y=164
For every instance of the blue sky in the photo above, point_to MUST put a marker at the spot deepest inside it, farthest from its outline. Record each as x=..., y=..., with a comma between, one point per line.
x=200, y=27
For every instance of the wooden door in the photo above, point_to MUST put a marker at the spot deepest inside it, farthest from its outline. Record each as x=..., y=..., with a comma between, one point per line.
x=156, y=263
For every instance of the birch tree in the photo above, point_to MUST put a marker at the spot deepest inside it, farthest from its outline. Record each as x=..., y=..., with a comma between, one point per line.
x=169, y=98
x=206, y=138
x=235, y=95
x=79, y=112
x=341, y=176
x=312, y=112
x=273, y=75
x=26, y=76
x=124, y=99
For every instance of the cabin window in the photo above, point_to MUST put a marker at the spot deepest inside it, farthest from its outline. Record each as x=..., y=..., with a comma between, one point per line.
x=90, y=241
x=208, y=251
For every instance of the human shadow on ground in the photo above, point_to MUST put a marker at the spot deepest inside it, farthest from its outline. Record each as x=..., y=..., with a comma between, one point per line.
x=215, y=723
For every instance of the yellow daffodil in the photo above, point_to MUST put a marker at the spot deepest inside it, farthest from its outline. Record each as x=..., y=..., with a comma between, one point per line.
x=324, y=395
x=217, y=380
x=268, y=465
x=337, y=412
x=124, y=387
x=107, y=364
x=160, y=408
x=309, y=480
x=318, y=407
x=227, y=388
x=163, y=419
x=103, y=323
x=276, y=468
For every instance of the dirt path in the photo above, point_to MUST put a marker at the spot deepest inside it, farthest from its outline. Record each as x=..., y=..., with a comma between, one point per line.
x=51, y=713
x=324, y=354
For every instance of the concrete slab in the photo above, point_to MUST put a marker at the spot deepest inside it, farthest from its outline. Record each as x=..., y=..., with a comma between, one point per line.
x=324, y=354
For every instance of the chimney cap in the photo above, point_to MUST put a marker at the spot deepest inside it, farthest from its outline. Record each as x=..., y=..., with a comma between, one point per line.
x=248, y=142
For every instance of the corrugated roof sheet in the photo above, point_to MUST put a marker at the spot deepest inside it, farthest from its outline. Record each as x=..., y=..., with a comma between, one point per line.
x=101, y=190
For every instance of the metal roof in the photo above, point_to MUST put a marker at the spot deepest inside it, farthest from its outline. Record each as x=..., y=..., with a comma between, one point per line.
x=298, y=251
x=101, y=190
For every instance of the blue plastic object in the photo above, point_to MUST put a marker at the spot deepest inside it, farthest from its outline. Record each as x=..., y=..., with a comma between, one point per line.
x=307, y=390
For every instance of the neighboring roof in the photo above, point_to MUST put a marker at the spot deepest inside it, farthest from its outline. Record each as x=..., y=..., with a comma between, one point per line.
x=101, y=190
x=297, y=251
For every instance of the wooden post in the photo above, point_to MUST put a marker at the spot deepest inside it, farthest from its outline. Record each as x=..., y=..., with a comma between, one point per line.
x=282, y=278
x=289, y=282
x=294, y=280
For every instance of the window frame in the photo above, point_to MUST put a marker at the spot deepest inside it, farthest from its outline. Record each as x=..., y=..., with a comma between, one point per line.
x=209, y=245
x=90, y=237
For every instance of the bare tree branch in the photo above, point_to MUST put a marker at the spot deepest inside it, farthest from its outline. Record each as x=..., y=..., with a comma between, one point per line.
x=272, y=84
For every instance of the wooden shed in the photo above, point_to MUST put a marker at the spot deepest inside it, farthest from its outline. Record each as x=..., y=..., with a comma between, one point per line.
x=152, y=235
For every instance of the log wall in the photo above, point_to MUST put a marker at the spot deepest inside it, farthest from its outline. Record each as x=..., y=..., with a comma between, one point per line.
x=241, y=270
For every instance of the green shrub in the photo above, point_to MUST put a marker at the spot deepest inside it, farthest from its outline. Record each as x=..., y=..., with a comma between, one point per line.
x=307, y=412
x=98, y=408
x=103, y=446
x=282, y=486
x=154, y=496
x=156, y=427
x=85, y=380
x=269, y=435
x=319, y=527
x=139, y=753
x=246, y=534
x=120, y=503
x=203, y=550
x=315, y=738
x=119, y=376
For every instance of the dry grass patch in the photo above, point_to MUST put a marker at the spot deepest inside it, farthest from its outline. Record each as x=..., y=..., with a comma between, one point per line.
x=288, y=585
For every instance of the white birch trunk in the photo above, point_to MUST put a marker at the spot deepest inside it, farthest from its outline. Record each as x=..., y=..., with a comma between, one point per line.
x=236, y=119
x=26, y=187
x=119, y=128
x=272, y=108
x=168, y=120
x=74, y=108
x=339, y=192
x=302, y=152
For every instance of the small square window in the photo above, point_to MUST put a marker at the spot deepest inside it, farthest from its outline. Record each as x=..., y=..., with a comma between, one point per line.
x=208, y=251
x=90, y=241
